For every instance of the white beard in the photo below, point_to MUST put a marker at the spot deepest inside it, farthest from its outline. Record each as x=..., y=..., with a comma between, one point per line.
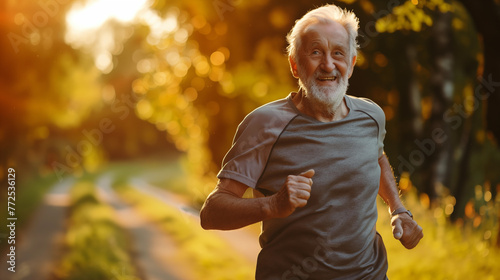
x=324, y=98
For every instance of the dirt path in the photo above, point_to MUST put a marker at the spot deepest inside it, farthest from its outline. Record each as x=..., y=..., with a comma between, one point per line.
x=155, y=251
x=242, y=240
x=37, y=246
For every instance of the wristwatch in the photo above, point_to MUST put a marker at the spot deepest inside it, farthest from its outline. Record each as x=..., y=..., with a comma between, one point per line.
x=401, y=211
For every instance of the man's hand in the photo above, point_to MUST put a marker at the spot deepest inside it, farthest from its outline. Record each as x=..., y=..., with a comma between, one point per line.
x=406, y=230
x=294, y=193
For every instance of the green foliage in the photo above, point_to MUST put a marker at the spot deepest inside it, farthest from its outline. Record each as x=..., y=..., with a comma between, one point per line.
x=29, y=194
x=96, y=247
x=411, y=15
x=76, y=90
x=447, y=251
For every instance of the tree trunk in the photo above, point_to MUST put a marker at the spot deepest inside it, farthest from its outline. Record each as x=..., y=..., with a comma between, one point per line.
x=436, y=170
x=486, y=17
x=410, y=123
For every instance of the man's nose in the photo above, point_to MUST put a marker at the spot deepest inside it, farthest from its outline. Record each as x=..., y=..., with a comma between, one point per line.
x=328, y=64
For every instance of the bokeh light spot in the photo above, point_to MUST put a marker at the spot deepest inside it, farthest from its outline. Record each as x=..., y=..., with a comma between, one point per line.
x=260, y=89
x=381, y=60
x=170, y=24
x=181, y=103
x=201, y=66
x=180, y=70
x=160, y=78
x=108, y=93
x=198, y=21
x=478, y=189
x=426, y=105
x=173, y=58
x=181, y=36
x=144, y=66
x=216, y=74
x=389, y=112
x=138, y=86
x=449, y=209
x=469, y=210
x=487, y=234
x=487, y=196
x=144, y=109
x=217, y=58
x=477, y=221
x=173, y=128
x=425, y=201
x=191, y=94
x=404, y=182
x=278, y=18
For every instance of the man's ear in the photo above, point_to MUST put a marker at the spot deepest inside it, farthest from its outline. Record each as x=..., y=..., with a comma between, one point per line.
x=353, y=62
x=293, y=67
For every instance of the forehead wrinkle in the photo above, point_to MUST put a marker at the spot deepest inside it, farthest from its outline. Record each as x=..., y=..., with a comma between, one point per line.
x=330, y=41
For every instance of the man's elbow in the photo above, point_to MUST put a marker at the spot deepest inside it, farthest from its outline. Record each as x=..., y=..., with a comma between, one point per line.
x=205, y=221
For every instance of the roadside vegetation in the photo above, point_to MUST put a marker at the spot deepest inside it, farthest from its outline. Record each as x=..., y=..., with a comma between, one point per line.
x=29, y=193
x=461, y=250
x=95, y=246
x=211, y=256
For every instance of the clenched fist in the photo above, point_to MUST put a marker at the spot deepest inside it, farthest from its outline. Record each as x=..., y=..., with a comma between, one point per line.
x=294, y=193
x=406, y=230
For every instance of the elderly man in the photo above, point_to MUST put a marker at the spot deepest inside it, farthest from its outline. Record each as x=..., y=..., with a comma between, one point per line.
x=316, y=162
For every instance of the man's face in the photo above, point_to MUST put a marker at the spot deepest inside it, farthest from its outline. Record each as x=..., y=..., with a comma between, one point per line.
x=324, y=64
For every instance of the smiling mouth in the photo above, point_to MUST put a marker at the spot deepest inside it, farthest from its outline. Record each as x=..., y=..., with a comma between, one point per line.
x=327, y=78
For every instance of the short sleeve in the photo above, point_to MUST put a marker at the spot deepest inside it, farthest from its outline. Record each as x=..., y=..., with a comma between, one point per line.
x=377, y=114
x=380, y=119
x=253, y=142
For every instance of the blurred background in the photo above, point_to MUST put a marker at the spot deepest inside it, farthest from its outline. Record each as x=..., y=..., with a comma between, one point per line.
x=115, y=117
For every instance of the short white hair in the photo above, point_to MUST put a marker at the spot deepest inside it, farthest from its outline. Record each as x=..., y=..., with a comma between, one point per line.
x=324, y=14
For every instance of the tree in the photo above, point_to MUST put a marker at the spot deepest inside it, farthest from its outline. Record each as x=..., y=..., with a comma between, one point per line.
x=486, y=17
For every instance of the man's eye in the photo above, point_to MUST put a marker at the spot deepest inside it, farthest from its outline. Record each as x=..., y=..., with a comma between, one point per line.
x=338, y=53
x=315, y=52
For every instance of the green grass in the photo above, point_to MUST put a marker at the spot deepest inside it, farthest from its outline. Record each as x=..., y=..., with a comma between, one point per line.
x=447, y=251
x=29, y=193
x=209, y=255
x=162, y=173
x=96, y=247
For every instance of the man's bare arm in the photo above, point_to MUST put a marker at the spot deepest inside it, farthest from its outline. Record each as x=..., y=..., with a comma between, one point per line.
x=225, y=208
x=404, y=228
x=388, y=189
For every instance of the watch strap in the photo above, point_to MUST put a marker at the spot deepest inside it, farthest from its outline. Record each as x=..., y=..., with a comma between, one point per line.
x=402, y=210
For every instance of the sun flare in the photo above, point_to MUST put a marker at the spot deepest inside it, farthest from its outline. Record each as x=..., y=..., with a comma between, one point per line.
x=95, y=13
x=86, y=27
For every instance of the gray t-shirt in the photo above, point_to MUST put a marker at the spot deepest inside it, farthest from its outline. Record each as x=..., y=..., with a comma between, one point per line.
x=334, y=235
